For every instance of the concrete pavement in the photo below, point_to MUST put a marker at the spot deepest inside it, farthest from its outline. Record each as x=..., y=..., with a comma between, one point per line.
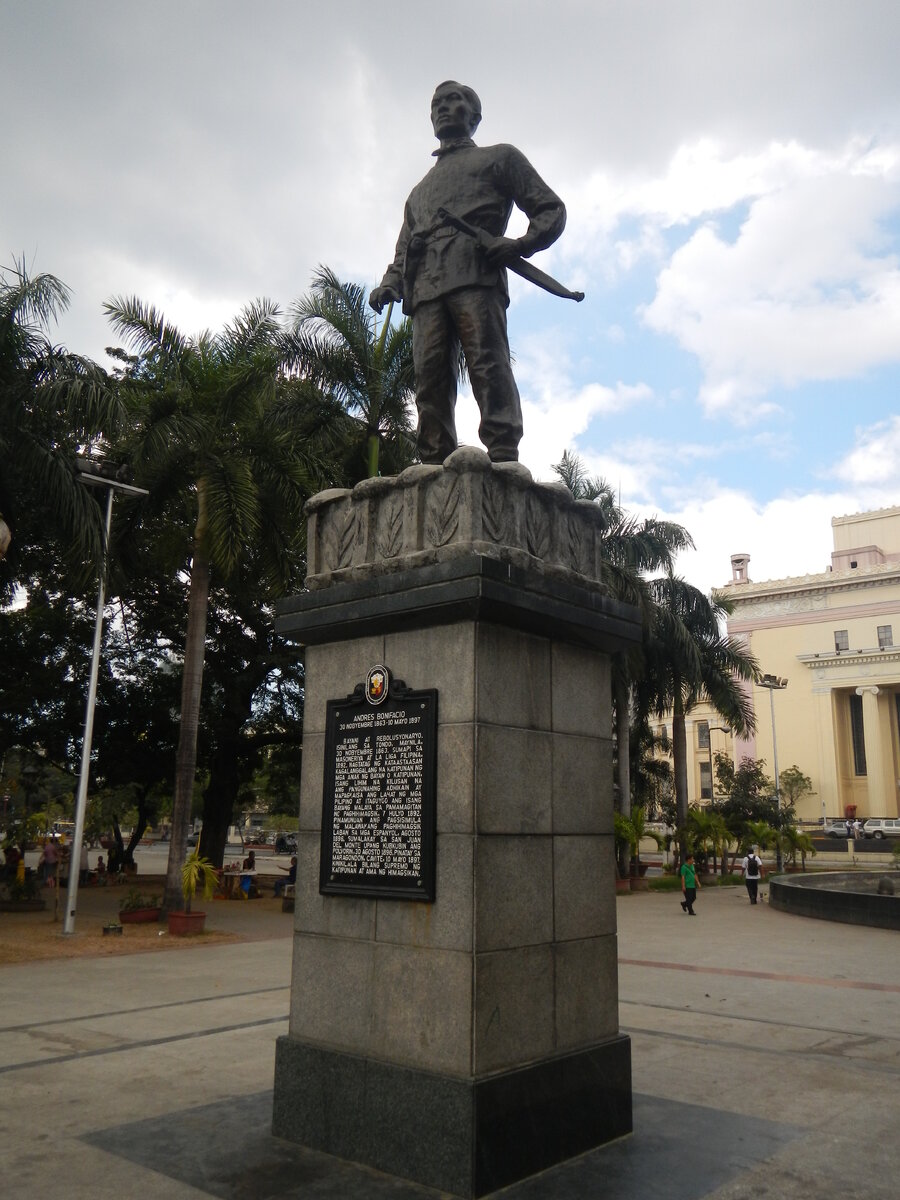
x=766, y=1055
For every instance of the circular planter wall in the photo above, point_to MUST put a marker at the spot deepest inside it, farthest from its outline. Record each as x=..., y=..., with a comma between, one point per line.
x=851, y=897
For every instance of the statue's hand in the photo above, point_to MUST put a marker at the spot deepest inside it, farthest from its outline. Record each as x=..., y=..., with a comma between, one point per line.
x=383, y=295
x=500, y=250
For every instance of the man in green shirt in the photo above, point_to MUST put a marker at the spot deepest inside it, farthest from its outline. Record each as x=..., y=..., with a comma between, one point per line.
x=689, y=884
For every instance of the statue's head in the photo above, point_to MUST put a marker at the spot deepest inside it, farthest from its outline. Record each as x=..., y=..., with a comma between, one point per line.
x=455, y=110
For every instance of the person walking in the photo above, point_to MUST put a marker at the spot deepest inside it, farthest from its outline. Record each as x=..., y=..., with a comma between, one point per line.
x=689, y=885
x=752, y=865
x=48, y=863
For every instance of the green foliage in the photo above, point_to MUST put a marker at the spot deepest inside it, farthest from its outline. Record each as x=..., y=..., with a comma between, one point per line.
x=335, y=342
x=672, y=883
x=795, y=842
x=758, y=833
x=664, y=883
x=52, y=404
x=196, y=872
x=686, y=660
x=708, y=835
x=794, y=785
x=28, y=888
x=630, y=546
x=135, y=900
x=651, y=774
x=215, y=440
x=37, y=792
x=632, y=830
x=749, y=796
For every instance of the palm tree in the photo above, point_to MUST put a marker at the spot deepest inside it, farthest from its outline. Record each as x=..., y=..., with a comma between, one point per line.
x=212, y=443
x=633, y=829
x=632, y=548
x=687, y=660
x=337, y=344
x=708, y=832
x=51, y=402
x=795, y=841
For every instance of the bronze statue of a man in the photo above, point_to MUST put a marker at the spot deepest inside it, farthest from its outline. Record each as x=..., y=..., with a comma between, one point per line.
x=449, y=272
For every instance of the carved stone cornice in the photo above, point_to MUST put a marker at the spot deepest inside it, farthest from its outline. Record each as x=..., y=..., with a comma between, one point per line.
x=433, y=514
x=771, y=592
x=851, y=658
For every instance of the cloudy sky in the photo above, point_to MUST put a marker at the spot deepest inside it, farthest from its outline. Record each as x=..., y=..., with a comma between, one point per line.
x=731, y=170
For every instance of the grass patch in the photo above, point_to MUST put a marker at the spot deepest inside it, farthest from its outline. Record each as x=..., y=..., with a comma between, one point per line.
x=672, y=883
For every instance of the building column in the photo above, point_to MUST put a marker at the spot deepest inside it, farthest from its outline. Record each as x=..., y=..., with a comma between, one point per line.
x=882, y=801
x=827, y=771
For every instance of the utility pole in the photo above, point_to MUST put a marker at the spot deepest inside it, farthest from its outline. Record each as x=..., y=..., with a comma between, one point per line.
x=101, y=475
x=773, y=683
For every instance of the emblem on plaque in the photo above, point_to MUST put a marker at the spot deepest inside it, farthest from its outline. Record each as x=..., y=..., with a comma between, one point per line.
x=377, y=682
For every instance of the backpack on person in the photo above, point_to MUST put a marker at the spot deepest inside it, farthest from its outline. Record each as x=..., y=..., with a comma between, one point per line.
x=753, y=866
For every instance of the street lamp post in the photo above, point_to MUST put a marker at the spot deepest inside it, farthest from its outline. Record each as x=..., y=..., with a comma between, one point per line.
x=92, y=474
x=713, y=729
x=773, y=683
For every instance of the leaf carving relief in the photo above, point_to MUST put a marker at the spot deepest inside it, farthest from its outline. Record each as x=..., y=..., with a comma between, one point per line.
x=574, y=543
x=339, y=539
x=537, y=528
x=392, y=529
x=494, y=512
x=444, y=513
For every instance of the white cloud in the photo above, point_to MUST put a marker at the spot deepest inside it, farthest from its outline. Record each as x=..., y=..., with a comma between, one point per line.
x=809, y=290
x=787, y=535
x=874, y=461
x=555, y=409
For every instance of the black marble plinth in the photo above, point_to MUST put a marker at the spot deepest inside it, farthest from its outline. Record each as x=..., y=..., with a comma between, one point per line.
x=467, y=1137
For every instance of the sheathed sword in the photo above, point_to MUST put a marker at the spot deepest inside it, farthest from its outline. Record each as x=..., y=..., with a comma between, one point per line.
x=521, y=266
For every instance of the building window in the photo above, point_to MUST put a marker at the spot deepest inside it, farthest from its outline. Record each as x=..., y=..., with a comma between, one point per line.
x=841, y=640
x=703, y=735
x=705, y=782
x=885, y=637
x=857, y=734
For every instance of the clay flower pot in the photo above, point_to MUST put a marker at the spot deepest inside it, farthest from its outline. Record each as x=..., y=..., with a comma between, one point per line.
x=138, y=916
x=182, y=924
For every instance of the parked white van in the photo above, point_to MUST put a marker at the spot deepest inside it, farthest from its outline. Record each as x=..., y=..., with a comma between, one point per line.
x=881, y=827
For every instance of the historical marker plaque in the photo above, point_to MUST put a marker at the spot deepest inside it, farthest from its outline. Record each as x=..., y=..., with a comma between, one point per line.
x=378, y=812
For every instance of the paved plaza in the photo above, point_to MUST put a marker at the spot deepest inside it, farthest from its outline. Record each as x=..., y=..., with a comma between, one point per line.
x=766, y=1057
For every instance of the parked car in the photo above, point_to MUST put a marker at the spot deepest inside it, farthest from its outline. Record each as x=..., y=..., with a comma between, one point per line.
x=836, y=829
x=881, y=827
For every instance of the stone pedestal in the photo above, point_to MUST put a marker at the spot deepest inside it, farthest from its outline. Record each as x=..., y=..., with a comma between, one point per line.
x=472, y=1041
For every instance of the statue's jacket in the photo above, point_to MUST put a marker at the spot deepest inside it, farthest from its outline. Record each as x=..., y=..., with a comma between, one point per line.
x=480, y=184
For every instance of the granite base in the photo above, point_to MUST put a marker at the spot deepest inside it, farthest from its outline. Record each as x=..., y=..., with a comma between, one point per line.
x=467, y=1137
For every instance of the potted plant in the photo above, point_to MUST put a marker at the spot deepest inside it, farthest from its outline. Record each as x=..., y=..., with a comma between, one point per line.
x=196, y=871
x=22, y=895
x=137, y=909
x=637, y=830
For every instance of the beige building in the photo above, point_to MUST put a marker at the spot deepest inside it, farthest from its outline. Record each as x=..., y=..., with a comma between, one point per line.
x=831, y=638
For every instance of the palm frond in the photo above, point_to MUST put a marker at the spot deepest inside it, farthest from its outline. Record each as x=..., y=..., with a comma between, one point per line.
x=145, y=329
